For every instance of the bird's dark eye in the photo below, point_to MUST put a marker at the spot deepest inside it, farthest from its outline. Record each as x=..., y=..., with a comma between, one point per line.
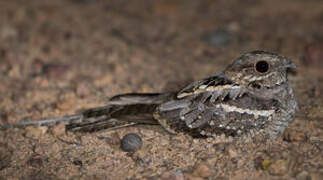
x=262, y=66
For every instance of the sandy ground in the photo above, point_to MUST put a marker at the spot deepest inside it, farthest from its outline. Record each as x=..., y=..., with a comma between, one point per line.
x=60, y=57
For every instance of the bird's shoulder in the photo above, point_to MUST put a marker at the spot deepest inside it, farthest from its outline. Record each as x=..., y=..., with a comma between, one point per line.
x=216, y=86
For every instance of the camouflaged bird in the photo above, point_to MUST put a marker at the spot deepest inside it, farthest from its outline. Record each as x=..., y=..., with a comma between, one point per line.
x=252, y=96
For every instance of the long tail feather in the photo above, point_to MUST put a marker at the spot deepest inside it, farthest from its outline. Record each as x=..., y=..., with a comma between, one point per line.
x=121, y=111
x=112, y=117
x=46, y=122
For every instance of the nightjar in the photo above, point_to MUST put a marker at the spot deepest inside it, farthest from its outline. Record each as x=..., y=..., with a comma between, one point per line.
x=252, y=96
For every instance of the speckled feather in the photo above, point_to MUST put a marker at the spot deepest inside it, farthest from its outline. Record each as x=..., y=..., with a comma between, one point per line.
x=251, y=98
x=242, y=101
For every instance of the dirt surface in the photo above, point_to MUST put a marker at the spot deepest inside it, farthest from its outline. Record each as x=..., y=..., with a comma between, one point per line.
x=59, y=57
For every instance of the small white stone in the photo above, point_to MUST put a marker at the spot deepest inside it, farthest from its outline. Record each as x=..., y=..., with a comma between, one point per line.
x=211, y=123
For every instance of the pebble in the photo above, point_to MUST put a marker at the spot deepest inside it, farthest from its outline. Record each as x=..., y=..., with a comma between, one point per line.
x=113, y=140
x=202, y=170
x=234, y=27
x=316, y=176
x=131, y=142
x=171, y=175
x=15, y=71
x=191, y=177
x=179, y=175
x=36, y=131
x=212, y=160
x=304, y=175
x=232, y=153
x=66, y=104
x=78, y=162
x=103, y=81
x=53, y=70
x=258, y=162
x=218, y=37
x=58, y=130
x=278, y=168
x=167, y=175
x=35, y=161
x=292, y=135
x=142, y=158
x=265, y=164
x=82, y=90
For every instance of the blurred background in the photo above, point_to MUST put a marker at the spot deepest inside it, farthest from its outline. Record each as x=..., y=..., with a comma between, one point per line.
x=58, y=57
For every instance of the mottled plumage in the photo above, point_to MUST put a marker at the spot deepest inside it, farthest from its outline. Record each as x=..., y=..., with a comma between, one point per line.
x=252, y=96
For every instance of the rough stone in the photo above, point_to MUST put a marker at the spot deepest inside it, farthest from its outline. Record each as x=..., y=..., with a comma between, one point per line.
x=278, y=168
x=304, y=175
x=36, y=131
x=202, y=170
x=58, y=130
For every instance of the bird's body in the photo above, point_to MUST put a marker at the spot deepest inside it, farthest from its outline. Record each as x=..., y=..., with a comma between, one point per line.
x=251, y=96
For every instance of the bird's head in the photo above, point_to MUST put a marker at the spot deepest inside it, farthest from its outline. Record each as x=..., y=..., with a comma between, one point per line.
x=260, y=71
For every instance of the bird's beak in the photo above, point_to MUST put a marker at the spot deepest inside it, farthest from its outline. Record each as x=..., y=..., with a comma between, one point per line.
x=290, y=65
